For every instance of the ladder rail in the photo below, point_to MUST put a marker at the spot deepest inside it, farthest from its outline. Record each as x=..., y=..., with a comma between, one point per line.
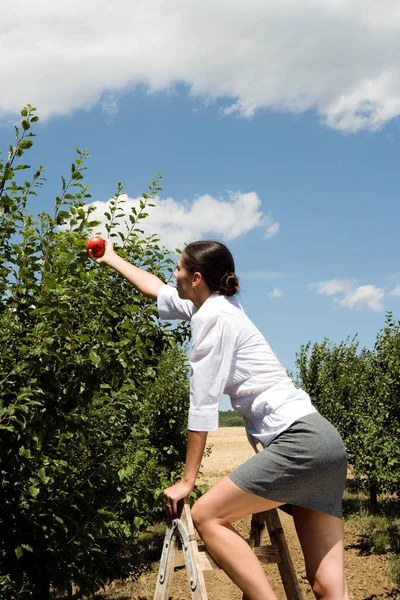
x=196, y=559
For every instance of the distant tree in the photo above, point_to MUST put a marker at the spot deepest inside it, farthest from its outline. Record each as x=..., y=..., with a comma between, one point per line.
x=358, y=391
x=382, y=451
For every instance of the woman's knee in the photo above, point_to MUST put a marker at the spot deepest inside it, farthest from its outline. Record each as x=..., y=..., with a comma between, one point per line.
x=205, y=515
x=327, y=587
x=317, y=586
x=200, y=515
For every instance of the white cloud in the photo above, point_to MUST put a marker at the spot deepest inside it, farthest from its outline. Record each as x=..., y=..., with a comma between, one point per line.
x=276, y=293
x=339, y=57
x=178, y=223
x=365, y=296
x=396, y=291
x=347, y=294
x=272, y=230
x=333, y=286
x=109, y=106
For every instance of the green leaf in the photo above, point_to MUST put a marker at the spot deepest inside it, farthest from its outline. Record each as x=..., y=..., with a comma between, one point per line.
x=8, y=173
x=42, y=476
x=25, y=144
x=19, y=552
x=95, y=358
x=138, y=521
x=62, y=216
x=25, y=452
x=34, y=491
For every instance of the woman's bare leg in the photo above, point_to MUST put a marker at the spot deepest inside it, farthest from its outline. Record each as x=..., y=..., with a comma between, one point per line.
x=321, y=537
x=213, y=515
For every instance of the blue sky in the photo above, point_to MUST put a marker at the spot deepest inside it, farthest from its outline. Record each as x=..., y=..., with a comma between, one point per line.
x=288, y=152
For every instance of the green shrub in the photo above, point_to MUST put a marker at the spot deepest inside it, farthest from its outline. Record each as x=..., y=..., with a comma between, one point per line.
x=93, y=388
x=380, y=534
x=380, y=542
x=394, y=569
x=394, y=532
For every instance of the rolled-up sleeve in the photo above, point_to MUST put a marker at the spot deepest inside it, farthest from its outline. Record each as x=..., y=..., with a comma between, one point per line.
x=211, y=359
x=171, y=307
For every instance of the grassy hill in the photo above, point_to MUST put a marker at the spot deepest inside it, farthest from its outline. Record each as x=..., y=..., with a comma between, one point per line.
x=230, y=418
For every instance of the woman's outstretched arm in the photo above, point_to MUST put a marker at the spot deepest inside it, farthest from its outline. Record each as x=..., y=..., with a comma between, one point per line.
x=145, y=282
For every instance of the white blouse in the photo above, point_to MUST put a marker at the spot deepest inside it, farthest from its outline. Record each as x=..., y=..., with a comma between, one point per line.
x=229, y=355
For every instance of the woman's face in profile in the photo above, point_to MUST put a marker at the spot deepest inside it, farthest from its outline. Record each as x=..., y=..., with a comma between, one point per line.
x=183, y=281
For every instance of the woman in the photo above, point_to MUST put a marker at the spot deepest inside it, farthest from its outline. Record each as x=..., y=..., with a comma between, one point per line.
x=303, y=463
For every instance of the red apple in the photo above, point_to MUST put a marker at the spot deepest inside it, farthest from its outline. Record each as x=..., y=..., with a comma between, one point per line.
x=97, y=246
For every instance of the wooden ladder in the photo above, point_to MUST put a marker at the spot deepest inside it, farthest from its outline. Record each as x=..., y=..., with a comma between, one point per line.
x=181, y=549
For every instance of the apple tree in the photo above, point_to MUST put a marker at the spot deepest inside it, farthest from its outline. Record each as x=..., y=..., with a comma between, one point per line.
x=93, y=388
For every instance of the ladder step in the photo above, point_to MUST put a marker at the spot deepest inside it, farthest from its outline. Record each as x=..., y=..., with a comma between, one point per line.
x=265, y=554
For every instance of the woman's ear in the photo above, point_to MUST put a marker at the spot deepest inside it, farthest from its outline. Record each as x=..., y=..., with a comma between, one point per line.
x=197, y=278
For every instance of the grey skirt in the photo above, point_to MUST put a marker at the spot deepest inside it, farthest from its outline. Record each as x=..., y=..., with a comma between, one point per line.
x=306, y=465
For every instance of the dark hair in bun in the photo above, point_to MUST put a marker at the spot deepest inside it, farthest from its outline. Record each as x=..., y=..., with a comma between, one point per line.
x=215, y=263
x=229, y=284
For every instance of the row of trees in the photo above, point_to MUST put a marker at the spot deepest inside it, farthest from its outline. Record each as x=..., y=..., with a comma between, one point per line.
x=230, y=418
x=359, y=392
x=93, y=388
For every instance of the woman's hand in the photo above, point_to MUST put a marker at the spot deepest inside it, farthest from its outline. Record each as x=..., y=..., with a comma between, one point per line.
x=175, y=493
x=107, y=257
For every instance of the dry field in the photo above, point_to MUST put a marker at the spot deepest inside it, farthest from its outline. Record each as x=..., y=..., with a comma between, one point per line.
x=367, y=575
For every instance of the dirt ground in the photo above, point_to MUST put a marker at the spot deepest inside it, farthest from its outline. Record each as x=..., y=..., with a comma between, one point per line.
x=367, y=575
